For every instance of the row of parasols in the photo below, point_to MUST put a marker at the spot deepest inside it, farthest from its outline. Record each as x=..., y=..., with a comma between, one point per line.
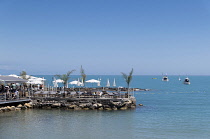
x=38, y=81
x=81, y=83
x=31, y=79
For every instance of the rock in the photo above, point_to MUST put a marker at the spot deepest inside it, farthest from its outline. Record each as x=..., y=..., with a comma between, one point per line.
x=2, y=109
x=128, y=105
x=72, y=106
x=117, y=104
x=56, y=105
x=85, y=105
x=128, y=102
x=140, y=104
x=19, y=106
x=23, y=107
x=82, y=105
x=89, y=105
x=108, y=109
x=77, y=108
x=17, y=109
x=99, y=104
x=95, y=105
x=100, y=108
x=67, y=105
x=6, y=109
x=28, y=105
x=124, y=108
x=11, y=108
x=92, y=107
x=31, y=103
x=133, y=106
x=114, y=108
x=48, y=107
x=63, y=105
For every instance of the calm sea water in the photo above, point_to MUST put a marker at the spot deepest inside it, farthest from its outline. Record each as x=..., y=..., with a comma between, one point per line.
x=171, y=110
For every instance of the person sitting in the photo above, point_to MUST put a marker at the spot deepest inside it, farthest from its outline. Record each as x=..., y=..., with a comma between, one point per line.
x=16, y=94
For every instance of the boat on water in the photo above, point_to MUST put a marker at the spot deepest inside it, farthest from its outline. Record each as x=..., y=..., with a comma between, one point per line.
x=165, y=78
x=179, y=79
x=186, y=81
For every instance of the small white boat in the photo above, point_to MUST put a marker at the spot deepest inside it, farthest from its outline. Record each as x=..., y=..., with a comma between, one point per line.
x=114, y=83
x=108, y=84
x=186, y=81
x=179, y=79
x=165, y=78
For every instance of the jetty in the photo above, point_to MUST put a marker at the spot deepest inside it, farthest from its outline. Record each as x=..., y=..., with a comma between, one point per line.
x=84, y=98
x=16, y=92
x=76, y=99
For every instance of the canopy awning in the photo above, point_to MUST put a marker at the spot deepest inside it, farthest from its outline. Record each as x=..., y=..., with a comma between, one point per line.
x=11, y=79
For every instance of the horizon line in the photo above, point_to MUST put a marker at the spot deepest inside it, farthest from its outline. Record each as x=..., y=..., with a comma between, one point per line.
x=133, y=75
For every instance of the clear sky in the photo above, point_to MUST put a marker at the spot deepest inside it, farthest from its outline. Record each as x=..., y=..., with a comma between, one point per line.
x=105, y=36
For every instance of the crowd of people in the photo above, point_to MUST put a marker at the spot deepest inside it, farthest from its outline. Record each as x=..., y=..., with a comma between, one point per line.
x=16, y=90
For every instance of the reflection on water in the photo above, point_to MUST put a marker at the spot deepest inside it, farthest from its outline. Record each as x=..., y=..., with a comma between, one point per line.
x=66, y=124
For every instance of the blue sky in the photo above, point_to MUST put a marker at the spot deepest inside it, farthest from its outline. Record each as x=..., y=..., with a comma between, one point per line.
x=105, y=36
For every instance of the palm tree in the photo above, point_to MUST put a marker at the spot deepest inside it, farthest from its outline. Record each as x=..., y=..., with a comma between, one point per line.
x=65, y=78
x=23, y=74
x=128, y=79
x=82, y=71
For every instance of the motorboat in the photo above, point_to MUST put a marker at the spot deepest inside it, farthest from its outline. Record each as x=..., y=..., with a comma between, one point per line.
x=186, y=81
x=165, y=78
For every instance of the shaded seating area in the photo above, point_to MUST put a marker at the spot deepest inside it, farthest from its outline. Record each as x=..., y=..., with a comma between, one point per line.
x=81, y=93
x=12, y=87
x=45, y=94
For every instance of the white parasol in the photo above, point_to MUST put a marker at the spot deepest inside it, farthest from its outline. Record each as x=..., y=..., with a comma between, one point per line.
x=78, y=83
x=92, y=81
x=59, y=81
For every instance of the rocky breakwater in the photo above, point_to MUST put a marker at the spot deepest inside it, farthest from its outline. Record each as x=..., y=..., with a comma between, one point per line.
x=87, y=104
x=16, y=108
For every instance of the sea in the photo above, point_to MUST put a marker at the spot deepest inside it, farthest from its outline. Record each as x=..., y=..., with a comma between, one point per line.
x=171, y=110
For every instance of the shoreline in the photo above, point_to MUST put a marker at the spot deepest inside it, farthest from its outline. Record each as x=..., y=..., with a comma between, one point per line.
x=75, y=104
x=86, y=103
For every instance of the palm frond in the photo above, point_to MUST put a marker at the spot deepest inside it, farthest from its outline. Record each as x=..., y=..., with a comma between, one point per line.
x=70, y=72
x=130, y=77
x=82, y=71
x=57, y=75
x=130, y=74
x=125, y=76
